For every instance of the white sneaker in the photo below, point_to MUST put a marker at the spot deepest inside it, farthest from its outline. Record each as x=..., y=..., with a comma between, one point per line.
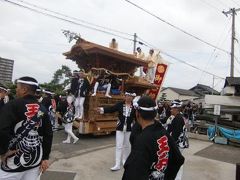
x=94, y=94
x=66, y=142
x=75, y=141
x=115, y=168
x=107, y=95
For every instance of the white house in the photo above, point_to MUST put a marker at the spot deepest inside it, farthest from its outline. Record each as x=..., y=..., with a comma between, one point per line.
x=171, y=93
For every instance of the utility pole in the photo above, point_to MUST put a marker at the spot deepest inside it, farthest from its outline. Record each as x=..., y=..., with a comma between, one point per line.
x=233, y=12
x=134, y=42
x=213, y=84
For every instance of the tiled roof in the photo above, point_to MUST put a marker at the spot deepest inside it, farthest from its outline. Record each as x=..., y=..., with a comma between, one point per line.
x=183, y=91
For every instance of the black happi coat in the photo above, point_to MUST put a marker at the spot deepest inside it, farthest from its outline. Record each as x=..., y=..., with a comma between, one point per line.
x=26, y=118
x=74, y=85
x=47, y=102
x=176, y=127
x=154, y=156
x=1, y=103
x=120, y=108
x=82, y=87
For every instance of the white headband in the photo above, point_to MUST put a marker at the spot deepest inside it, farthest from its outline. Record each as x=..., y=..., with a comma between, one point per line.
x=3, y=89
x=130, y=94
x=48, y=92
x=27, y=82
x=136, y=105
x=176, y=104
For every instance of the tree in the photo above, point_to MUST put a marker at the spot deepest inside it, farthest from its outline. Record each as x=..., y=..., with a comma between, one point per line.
x=163, y=97
x=61, y=79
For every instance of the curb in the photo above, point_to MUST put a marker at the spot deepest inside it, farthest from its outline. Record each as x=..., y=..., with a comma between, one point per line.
x=198, y=136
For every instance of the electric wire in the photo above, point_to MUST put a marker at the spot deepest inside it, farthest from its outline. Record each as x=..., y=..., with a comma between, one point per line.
x=179, y=29
x=210, y=5
x=66, y=20
x=106, y=32
x=214, y=57
x=236, y=2
x=70, y=17
x=178, y=59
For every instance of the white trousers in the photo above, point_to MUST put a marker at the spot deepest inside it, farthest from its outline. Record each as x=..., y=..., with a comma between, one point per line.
x=79, y=109
x=68, y=130
x=105, y=86
x=151, y=74
x=142, y=74
x=31, y=174
x=180, y=172
x=122, y=146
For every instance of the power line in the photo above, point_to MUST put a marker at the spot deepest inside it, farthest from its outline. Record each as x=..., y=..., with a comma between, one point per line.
x=77, y=19
x=214, y=57
x=223, y=3
x=179, y=29
x=66, y=20
x=70, y=21
x=210, y=5
x=178, y=59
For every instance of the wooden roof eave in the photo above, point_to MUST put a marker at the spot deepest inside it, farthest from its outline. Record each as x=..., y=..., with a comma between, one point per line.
x=120, y=56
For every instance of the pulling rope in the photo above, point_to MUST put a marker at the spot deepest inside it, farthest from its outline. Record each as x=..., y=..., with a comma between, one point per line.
x=110, y=72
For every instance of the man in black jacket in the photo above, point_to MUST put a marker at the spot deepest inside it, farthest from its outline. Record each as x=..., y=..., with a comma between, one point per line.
x=25, y=134
x=126, y=115
x=80, y=93
x=176, y=128
x=154, y=154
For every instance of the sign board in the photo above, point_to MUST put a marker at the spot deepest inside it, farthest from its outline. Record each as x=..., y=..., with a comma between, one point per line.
x=217, y=109
x=158, y=80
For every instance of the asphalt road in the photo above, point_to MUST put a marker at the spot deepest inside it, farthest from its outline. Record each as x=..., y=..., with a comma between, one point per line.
x=86, y=144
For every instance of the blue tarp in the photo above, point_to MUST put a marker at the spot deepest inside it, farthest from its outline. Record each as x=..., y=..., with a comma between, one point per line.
x=227, y=133
x=211, y=132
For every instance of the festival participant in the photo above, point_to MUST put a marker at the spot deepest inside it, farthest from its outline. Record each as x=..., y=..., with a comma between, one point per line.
x=113, y=44
x=25, y=134
x=151, y=58
x=154, y=154
x=81, y=92
x=68, y=118
x=103, y=82
x=3, y=93
x=50, y=104
x=141, y=55
x=176, y=128
x=126, y=115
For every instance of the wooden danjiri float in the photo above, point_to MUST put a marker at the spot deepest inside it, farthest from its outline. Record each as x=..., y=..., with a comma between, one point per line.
x=95, y=59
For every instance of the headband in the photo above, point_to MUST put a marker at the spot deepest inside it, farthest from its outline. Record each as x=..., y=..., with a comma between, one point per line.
x=130, y=94
x=176, y=104
x=27, y=82
x=48, y=92
x=3, y=89
x=136, y=105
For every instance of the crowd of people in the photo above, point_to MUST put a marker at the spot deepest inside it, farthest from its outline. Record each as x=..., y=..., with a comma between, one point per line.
x=189, y=111
x=148, y=147
x=150, y=136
